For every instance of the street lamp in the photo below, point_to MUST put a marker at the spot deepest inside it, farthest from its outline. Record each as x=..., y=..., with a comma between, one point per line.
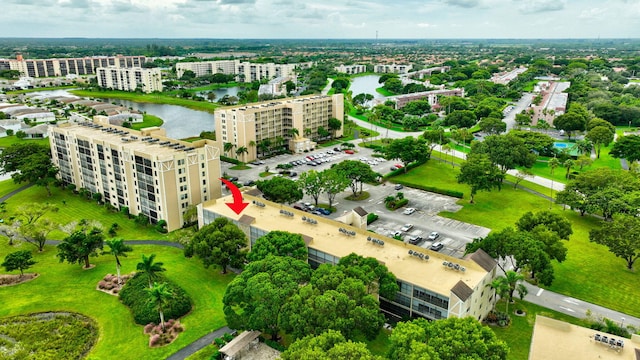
x=622, y=323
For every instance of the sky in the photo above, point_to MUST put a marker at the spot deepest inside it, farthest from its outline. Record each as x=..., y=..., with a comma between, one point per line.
x=321, y=19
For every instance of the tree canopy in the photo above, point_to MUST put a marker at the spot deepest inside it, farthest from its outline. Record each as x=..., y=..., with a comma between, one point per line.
x=480, y=174
x=447, y=339
x=408, y=150
x=77, y=247
x=19, y=260
x=29, y=162
x=356, y=171
x=621, y=236
x=506, y=151
x=627, y=147
x=279, y=243
x=330, y=345
x=255, y=298
x=219, y=243
x=280, y=190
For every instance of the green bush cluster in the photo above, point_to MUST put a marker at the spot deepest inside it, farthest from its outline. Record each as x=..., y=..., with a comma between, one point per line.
x=47, y=336
x=432, y=189
x=134, y=295
x=397, y=203
x=401, y=170
x=274, y=345
x=371, y=217
x=230, y=160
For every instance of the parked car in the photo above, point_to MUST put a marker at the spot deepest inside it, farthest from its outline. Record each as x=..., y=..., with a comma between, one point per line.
x=415, y=239
x=299, y=207
x=330, y=152
x=409, y=211
x=406, y=227
x=324, y=211
x=393, y=168
x=437, y=246
x=350, y=152
x=398, y=187
x=398, y=166
x=336, y=150
x=249, y=183
x=434, y=235
x=317, y=212
x=397, y=233
x=293, y=174
x=363, y=159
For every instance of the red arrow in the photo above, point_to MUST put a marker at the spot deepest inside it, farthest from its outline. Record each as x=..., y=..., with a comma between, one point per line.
x=237, y=205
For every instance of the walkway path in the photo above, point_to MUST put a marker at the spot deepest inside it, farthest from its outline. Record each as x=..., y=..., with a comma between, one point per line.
x=199, y=344
x=7, y=196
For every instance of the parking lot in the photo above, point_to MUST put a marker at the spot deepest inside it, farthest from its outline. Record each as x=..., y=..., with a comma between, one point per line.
x=454, y=235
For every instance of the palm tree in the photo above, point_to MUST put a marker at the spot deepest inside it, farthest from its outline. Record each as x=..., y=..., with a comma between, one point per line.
x=447, y=148
x=241, y=150
x=278, y=142
x=513, y=281
x=307, y=132
x=584, y=146
x=117, y=248
x=264, y=145
x=500, y=287
x=159, y=294
x=568, y=164
x=294, y=132
x=553, y=163
x=252, y=145
x=150, y=268
x=228, y=147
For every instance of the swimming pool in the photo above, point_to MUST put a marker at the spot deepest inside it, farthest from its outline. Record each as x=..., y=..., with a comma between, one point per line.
x=560, y=145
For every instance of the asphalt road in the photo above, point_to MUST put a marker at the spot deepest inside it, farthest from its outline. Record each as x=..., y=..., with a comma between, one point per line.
x=522, y=104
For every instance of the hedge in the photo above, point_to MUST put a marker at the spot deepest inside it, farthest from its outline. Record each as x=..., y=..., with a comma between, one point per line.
x=371, y=217
x=401, y=170
x=230, y=160
x=398, y=203
x=134, y=295
x=432, y=189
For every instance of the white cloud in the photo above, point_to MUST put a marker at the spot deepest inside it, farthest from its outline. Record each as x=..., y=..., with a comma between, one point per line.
x=425, y=25
x=537, y=6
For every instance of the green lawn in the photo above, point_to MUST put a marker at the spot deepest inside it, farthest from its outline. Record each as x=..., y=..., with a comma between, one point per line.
x=384, y=92
x=10, y=140
x=518, y=334
x=148, y=98
x=65, y=287
x=77, y=208
x=7, y=186
x=147, y=121
x=574, y=277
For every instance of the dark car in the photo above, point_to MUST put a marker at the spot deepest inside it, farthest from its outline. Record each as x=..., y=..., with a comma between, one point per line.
x=415, y=239
x=324, y=211
x=249, y=183
x=293, y=174
x=336, y=149
x=398, y=187
x=299, y=207
x=317, y=212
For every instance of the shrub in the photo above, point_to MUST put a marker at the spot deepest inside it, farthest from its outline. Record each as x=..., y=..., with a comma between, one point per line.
x=396, y=204
x=447, y=192
x=371, y=217
x=134, y=295
x=274, y=345
x=227, y=337
x=229, y=160
x=219, y=342
x=215, y=355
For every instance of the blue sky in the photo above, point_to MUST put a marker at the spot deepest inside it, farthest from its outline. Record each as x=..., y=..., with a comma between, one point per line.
x=321, y=18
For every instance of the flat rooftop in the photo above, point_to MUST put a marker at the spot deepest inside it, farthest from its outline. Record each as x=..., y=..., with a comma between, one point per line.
x=558, y=340
x=154, y=144
x=429, y=274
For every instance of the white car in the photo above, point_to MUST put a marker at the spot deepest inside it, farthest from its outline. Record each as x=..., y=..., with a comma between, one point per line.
x=330, y=152
x=434, y=235
x=409, y=211
x=364, y=159
x=406, y=227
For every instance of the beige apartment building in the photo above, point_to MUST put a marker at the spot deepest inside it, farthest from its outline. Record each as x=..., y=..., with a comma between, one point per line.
x=351, y=69
x=130, y=79
x=432, y=285
x=142, y=170
x=431, y=96
x=248, y=125
x=65, y=66
x=392, y=68
x=245, y=71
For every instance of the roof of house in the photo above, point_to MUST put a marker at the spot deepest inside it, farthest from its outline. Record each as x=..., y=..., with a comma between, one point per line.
x=462, y=291
x=360, y=211
x=483, y=259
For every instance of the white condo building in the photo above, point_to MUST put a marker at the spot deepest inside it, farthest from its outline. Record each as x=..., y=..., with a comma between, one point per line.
x=149, y=80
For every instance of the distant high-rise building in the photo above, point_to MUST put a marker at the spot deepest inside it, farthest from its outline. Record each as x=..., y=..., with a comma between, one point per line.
x=245, y=71
x=142, y=170
x=130, y=79
x=65, y=66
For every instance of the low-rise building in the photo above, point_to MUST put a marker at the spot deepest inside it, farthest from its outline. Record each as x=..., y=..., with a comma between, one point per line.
x=351, y=69
x=130, y=79
x=392, y=68
x=432, y=285
x=432, y=96
x=558, y=340
x=143, y=171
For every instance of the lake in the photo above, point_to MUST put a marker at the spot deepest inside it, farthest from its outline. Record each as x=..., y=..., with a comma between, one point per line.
x=179, y=122
x=366, y=84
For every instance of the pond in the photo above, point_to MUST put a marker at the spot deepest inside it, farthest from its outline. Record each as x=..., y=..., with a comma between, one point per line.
x=366, y=84
x=179, y=122
x=231, y=91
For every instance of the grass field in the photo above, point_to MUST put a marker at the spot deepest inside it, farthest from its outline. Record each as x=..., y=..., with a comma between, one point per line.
x=7, y=186
x=148, y=98
x=10, y=140
x=65, y=287
x=76, y=208
x=147, y=121
x=589, y=268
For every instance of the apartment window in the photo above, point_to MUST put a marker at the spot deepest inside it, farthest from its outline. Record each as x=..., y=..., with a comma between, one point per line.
x=183, y=179
x=180, y=162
